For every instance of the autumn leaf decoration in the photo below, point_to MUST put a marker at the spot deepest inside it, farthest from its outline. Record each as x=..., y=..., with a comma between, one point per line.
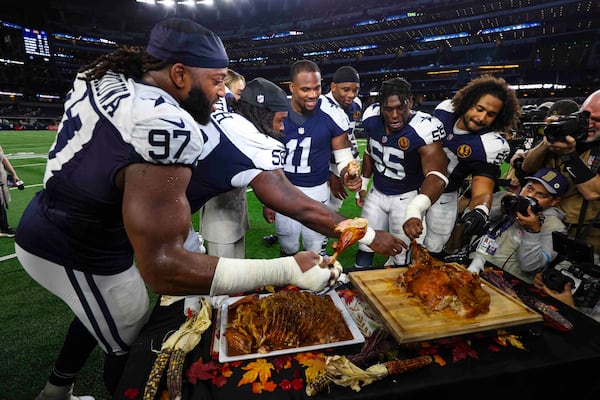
x=210, y=371
x=261, y=370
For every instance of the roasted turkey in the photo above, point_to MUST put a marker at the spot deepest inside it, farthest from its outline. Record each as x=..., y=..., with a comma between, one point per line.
x=351, y=231
x=286, y=319
x=353, y=168
x=438, y=285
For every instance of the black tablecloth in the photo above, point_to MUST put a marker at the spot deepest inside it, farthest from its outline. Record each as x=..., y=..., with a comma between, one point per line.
x=526, y=362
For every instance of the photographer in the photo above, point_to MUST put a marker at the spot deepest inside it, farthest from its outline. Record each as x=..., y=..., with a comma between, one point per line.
x=574, y=156
x=566, y=296
x=519, y=239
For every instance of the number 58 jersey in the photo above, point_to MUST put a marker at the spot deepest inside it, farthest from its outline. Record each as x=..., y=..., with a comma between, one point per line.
x=108, y=124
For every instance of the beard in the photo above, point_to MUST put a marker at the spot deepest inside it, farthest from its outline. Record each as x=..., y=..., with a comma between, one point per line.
x=198, y=105
x=470, y=129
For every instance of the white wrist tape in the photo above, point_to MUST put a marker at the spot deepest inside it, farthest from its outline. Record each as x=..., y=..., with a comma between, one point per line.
x=477, y=264
x=365, y=183
x=368, y=238
x=342, y=157
x=439, y=175
x=240, y=275
x=417, y=206
x=483, y=208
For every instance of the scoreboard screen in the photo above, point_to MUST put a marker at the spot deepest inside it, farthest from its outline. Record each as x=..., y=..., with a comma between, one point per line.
x=36, y=42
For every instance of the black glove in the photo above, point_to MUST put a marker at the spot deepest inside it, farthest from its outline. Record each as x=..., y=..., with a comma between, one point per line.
x=474, y=222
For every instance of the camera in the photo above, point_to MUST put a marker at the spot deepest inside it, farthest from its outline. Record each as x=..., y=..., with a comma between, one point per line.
x=587, y=293
x=556, y=280
x=583, y=273
x=460, y=256
x=512, y=204
x=518, y=167
x=533, y=130
x=575, y=125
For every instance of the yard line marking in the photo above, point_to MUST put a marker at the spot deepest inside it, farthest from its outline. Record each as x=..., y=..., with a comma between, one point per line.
x=30, y=165
x=25, y=155
x=27, y=186
x=8, y=257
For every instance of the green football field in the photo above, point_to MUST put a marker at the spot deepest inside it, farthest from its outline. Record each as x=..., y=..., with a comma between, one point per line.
x=33, y=321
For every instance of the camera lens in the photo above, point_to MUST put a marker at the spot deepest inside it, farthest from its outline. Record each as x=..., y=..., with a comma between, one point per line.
x=555, y=280
x=512, y=204
x=553, y=132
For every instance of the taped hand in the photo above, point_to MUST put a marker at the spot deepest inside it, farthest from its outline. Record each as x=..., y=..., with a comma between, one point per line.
x=319, y=276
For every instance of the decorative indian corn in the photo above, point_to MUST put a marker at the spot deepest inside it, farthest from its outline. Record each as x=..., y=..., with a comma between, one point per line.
x=174, y=350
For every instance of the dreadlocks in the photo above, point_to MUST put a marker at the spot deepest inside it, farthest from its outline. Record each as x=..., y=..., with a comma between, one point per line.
x=260, y=117
x=395, y=87
x=468, y=96
x=127, y=61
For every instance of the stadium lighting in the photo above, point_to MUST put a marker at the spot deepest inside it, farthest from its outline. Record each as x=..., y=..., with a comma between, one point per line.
x=172, y=3
x=11, y=94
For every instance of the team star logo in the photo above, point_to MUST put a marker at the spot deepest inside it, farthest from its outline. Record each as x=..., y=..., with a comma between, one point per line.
x=464, y=151
x=403, y=143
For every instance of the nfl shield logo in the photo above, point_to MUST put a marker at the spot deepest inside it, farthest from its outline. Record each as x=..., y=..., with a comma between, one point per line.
x=260, y=98
x=301, y=130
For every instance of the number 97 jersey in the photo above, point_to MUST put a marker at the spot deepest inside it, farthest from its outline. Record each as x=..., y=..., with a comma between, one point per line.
x=107, y=125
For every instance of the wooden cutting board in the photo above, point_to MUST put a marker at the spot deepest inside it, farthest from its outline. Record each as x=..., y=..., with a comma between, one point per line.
x=408, y=322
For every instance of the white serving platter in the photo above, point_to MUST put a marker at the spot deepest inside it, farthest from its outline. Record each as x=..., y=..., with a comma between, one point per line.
x=357, y=336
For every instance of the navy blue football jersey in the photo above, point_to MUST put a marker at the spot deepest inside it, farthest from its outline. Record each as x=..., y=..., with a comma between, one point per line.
x=307, y=140
x=234, y=153
x=108, y=124
x=395, y=156
x=477, y=154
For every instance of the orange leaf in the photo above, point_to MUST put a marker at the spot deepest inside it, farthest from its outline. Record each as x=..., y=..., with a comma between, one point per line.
x=270, y=386
x=505, y=340
x=315, y=363
x=439, y=360
x=257, y=388
x=258, y=369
